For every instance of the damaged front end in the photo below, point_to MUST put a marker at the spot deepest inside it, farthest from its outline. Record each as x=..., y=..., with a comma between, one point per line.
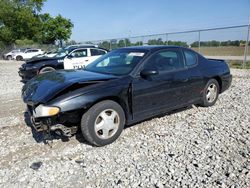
x=57, y=100
x=63, y=124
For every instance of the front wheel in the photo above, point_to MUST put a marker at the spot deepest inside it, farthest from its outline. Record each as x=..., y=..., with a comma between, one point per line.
x=19, y=58
x=103, y=123
x=210, y=93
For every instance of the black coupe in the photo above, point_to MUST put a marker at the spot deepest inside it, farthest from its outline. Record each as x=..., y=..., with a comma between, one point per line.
x=122, y=87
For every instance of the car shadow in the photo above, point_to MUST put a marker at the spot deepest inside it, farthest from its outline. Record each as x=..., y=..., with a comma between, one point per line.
x=160, y=116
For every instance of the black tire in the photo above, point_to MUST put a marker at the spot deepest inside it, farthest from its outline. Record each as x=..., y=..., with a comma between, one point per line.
x=89, y=120
x=46, y=69
x=19, y=58
x=205, y=100
x=9, y=57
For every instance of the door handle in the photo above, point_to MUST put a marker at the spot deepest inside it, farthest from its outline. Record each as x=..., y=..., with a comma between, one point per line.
x=86, y=60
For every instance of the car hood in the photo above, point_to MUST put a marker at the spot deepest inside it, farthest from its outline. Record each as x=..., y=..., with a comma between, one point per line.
x=46, y=86
x=40, y=59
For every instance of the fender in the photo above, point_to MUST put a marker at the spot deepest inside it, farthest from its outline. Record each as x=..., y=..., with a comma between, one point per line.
x=121, y=94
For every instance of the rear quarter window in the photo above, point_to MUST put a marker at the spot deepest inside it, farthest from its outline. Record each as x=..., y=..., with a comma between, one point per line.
x=190, y=57
x=95, y=52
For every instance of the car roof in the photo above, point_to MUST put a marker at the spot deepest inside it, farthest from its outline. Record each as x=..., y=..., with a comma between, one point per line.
x=151, y=47
x=81, y=46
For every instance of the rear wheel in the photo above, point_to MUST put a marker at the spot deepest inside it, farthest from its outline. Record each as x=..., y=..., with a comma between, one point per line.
x=210, y=94
x=46, y=69
x=19, y=58
x=103, y=123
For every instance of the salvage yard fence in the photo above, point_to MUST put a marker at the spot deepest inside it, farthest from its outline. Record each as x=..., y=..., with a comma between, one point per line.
x=230, y=43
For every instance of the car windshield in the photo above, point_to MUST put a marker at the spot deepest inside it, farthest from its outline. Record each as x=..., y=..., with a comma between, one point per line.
x=61, y=53
x=23, y=50
x=117, y=62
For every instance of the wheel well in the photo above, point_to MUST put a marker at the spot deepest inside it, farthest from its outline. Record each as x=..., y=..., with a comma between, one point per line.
x=46, y=66
x=218, y=79
x=19, y=56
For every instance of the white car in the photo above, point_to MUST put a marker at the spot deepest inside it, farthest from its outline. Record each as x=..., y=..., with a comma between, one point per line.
x=27, y=54
x=80, y=57
x=10, y=55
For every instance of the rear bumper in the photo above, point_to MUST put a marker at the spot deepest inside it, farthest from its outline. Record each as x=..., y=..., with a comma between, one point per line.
x=226, y=82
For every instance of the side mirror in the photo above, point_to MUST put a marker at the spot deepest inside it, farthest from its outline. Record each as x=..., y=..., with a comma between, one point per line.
x=147, y=73
x=70, y=56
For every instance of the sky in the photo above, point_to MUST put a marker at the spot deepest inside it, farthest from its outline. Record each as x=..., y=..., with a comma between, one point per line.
x=105, y=19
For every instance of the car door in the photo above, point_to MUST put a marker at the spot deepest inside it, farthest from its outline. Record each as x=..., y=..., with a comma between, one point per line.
x=95, y=53
x=34, y=52
x=196, y=80
x=27, y=54
x=77, y=59
x=166, y=90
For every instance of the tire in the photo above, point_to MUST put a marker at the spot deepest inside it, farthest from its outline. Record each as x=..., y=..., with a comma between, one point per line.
x=211, y=93
x=9, y=57
x=19, y=58
x=46, y=69
x=99, y=127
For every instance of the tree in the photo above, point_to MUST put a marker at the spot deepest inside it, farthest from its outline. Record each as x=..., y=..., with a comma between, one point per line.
x=155, y=42
x=105, y=45
x=121, y=43
x=55, y=29
x=127, y=42
x=20, y=20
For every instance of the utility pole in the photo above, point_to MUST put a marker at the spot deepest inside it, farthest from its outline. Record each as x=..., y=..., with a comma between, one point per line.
x=246, y=45
x=199, y=41
x=167, y=38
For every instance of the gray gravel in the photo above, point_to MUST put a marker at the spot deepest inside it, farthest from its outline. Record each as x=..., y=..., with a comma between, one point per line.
x=194, y=147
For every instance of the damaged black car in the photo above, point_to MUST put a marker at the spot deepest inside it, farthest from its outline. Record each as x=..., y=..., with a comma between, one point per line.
x=123, y=87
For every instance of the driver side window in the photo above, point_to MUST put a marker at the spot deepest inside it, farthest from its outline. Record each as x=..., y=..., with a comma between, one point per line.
x=165, y=61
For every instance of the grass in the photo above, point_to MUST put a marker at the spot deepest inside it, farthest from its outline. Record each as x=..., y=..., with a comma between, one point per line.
x=223, y=51
x=238, y=64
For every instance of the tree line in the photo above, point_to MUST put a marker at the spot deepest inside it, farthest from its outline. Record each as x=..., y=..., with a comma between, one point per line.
x=126, y=42
x=21, y=21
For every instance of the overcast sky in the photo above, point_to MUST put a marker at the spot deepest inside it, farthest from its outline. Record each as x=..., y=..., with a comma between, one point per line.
x=102, y=19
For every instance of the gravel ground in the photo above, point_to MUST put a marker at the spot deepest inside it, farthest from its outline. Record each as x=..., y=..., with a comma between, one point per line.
x=194, y=147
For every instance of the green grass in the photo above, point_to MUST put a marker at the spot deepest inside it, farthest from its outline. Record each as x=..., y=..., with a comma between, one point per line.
x=238, y=64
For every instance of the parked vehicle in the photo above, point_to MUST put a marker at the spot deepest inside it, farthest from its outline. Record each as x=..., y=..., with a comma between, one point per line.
x=10, y=55
x=125, y=86
x=27, y=54
x=51, y=53
x=71, y=57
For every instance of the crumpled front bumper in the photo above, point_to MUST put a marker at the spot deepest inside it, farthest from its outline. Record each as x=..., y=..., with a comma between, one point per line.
x=50, y=124
x=26, y=75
